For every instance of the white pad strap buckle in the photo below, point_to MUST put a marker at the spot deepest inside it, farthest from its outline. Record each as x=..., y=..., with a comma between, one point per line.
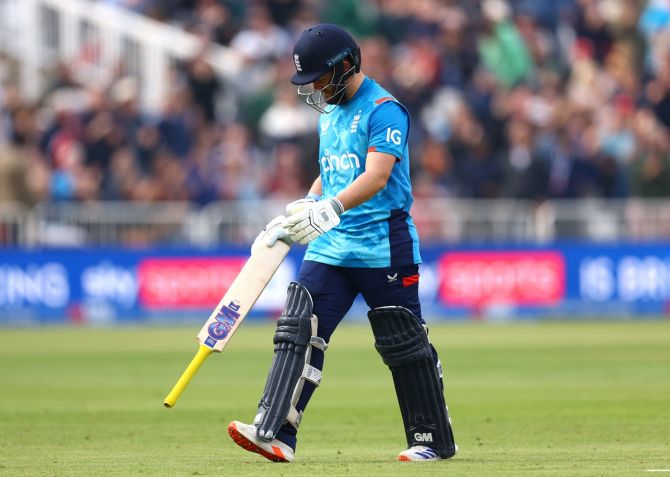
x=309, y=373
x=318, y=343
x=312, y=374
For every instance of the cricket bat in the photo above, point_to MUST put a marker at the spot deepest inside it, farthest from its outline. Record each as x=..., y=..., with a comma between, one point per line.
x=232, y=309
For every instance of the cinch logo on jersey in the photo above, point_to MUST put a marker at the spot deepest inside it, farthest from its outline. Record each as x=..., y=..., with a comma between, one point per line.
x=346, y=161
x=226, y=318
x=423, y=436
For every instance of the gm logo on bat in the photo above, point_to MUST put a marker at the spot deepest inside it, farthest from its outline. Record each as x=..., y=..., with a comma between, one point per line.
x=226, y=318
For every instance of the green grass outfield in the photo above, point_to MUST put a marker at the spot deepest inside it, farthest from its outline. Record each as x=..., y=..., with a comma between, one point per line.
x=555, y=399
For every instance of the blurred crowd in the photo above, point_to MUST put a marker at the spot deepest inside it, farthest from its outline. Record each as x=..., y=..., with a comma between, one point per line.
x=528, y=99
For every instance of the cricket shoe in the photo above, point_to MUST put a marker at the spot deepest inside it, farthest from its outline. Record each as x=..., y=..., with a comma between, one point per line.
x=419, y=454
x=244, y=436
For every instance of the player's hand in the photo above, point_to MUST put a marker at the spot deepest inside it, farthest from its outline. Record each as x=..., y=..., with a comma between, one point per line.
x=272, y=232
x=314, y=220
x=298, y=205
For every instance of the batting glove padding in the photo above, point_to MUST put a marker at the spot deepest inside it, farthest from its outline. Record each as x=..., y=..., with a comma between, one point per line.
x=272, y=232
x=298, y=205
x=313, y=220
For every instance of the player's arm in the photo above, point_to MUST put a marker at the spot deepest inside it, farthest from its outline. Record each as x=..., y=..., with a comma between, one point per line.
x=387, y=132
x=378, y=167
x=317, y=188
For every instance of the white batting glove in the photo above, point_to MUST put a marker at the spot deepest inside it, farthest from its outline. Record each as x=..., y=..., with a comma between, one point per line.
x=314, y=220
x=272, y=232
x=298, y=205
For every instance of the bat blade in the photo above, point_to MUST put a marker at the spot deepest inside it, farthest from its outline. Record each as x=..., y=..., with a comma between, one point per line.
x=232, y=309
x=241, y=296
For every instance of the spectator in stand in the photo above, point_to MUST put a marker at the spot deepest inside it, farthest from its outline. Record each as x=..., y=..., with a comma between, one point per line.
x=526, y=176
x=217, y=21
x=287, y=118
x=261, y=41
x=657, y=92
x=288, y=176
x=650, y=171
x=651, y=174
x=501, y=47
x=122, y=177
x=204, y=87
x=177, y=125
x=201, y=173
x=519, y=99
x=13, y=186
x=283, y=11
x=102, y=134
x=240, y=175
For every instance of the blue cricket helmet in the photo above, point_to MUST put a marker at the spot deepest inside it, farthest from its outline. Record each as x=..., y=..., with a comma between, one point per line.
x=321, y=48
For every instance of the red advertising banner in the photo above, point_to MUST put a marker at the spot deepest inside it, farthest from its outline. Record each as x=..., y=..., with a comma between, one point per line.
x=182, y=283
x=509, y=278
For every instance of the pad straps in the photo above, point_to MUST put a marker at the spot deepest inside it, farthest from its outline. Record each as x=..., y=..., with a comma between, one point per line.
x=294, y=339
x=309, y=373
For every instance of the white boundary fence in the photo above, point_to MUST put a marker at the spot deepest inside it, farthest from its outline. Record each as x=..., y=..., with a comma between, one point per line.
x=98, y=39
x=438, y=220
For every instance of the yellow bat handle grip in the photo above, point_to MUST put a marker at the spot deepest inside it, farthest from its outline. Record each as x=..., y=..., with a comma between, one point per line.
x=185, y=378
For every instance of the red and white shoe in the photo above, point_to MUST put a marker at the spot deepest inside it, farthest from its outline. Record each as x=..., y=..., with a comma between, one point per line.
x=244, y=436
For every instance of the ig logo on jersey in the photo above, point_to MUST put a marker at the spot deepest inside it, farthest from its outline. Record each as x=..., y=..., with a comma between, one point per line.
x=393, y=136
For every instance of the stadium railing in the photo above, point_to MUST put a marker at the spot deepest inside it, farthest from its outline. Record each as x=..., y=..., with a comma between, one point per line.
x=114, y=223
x=438, y=220
x=97, y=41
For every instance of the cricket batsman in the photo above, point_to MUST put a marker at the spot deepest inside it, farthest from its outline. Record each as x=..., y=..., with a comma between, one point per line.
x=361, y=239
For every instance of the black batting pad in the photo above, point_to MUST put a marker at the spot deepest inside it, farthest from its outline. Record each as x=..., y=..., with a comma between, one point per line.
x=403, y=344
x=291, y=339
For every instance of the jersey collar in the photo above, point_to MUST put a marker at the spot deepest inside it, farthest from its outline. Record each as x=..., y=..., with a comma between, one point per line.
x=365, y=85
